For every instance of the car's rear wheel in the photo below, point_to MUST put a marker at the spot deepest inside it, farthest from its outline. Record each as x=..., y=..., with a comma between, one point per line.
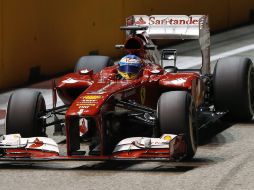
x=25, y=107
x=233, y=83
x=93, y=62
x=176, y=114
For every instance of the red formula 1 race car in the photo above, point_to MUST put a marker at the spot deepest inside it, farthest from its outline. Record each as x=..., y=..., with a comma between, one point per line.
x=142, y=108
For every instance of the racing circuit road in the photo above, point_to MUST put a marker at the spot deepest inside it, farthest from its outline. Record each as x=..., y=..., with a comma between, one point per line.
x=224, y=161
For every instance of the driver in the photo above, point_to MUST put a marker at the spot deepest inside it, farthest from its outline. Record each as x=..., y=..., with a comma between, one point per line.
x=130, y=67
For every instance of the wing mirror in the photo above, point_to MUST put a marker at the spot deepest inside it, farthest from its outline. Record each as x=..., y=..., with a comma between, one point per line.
x=168, y=56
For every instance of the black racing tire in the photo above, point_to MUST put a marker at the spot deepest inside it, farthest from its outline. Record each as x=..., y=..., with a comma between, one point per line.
x=23, y=112
x=176, y=114
x=233, y=84
x=93, y=62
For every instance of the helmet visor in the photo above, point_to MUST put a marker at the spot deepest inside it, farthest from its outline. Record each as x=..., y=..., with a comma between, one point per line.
x=129, y=68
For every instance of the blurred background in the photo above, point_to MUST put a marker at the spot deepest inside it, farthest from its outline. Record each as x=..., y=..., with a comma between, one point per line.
x=42, y=38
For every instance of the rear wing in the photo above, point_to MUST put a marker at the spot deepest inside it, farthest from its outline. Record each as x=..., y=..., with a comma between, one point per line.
x=177, y=27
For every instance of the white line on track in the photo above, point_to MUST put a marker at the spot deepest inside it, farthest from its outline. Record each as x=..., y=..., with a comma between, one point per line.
x=232, y=52
x=190, y=61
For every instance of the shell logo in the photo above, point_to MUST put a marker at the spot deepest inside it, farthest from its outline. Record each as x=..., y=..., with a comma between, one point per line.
x=167, y=138
x=92, y=97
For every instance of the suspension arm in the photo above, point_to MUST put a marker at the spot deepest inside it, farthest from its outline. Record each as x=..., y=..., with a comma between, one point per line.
x=134, y=106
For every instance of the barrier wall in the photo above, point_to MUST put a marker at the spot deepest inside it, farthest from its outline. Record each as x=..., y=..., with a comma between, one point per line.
x=50, y=35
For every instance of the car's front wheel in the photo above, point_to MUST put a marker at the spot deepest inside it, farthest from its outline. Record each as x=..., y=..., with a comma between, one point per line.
x=176, y=114
x=24, y=111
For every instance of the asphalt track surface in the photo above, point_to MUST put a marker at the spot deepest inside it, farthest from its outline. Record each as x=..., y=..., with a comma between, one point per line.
x=223, y=161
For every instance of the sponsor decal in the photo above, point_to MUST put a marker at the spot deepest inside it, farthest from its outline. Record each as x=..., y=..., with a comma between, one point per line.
x=129, y=21
x=143, y=94
x=83, y=126
x=170, y=21
x=177, y=81
x=167, y=137
x=84, y=71
x=88, y=101
x=70, y=81
x=80, y=111
x=84, y=107
x=85, y=104
x=130, y=60
x=162, y=20
x=105, y=87
x=92, y=97
x=140, y=21
x=102, y=90
x=36, y=144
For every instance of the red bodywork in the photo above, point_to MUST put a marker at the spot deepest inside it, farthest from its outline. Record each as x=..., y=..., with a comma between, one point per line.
x=91, y=95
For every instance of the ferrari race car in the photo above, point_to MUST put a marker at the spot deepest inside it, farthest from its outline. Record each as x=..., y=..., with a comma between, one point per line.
x=111, y=115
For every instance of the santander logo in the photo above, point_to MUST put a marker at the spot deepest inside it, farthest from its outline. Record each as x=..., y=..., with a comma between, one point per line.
x=171, y=21
x=140, y=21
x=162, y=20
x=36, y=144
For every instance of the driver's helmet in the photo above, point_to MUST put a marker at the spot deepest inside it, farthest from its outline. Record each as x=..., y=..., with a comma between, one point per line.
x=129, y=66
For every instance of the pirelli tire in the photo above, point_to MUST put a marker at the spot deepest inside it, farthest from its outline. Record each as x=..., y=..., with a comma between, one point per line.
x=23, y=113
x=177, y=115
x=233, y=84
x=93, y=62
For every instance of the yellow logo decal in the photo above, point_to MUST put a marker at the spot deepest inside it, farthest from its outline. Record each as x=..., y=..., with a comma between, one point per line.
x=92, y=97
x=143, y=94
x=167, y=138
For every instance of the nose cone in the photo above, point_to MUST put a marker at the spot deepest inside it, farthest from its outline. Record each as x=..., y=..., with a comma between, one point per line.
x=90, y=102
x=87, y=104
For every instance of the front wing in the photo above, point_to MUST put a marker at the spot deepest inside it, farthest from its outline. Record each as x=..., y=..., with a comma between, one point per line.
x=167, y=148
